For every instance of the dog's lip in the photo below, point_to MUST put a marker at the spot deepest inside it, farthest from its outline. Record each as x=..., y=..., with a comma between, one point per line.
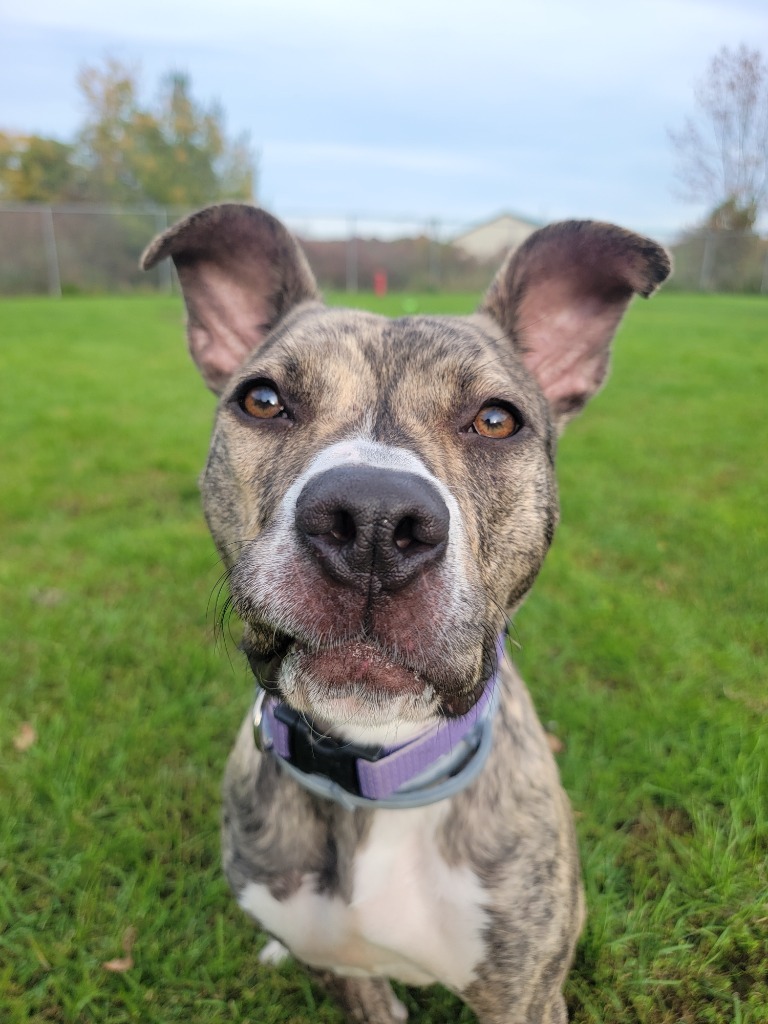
x=362, y=666
x=359, y=663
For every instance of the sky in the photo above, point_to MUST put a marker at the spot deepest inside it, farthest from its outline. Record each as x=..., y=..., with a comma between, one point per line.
x=420, y=109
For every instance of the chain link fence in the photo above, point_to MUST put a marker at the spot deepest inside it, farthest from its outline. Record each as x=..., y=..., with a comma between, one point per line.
x=79, y=249
x=60, y=250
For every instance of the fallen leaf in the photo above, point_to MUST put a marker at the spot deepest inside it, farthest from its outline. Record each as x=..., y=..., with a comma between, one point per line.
x=49, y=598
x=122, y=964
x=556, y=745
x=25, y=737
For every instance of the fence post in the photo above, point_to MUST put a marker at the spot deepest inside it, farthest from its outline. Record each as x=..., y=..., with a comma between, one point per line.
x=51, y=252
x=707, y=264
x=434, y=252
x=352, y=255
x=164, y=267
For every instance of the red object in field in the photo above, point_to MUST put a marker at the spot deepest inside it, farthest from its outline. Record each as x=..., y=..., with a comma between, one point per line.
x=380, y=282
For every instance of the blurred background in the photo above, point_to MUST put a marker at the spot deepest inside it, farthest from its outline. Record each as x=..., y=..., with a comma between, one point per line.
x=407, y=144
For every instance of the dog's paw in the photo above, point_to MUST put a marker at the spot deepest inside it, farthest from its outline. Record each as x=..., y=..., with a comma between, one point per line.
x=399, y=1012
x=274, y=953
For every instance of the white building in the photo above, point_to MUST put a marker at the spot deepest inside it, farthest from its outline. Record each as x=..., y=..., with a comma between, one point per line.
x=494, y=237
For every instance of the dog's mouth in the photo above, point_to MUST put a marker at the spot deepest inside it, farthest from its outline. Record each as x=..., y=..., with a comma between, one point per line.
x=360, y=664
x=356, y=679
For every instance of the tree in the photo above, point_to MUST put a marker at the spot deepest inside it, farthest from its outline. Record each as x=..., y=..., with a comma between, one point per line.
x=183, y=156
x=107, y=139
x=174, y=153
x=722, y=151
x=35, y=169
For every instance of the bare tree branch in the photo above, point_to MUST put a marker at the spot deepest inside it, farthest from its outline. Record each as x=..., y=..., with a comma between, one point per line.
x=722, y=151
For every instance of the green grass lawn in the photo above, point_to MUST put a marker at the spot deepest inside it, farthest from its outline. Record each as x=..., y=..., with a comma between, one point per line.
x=644, y=645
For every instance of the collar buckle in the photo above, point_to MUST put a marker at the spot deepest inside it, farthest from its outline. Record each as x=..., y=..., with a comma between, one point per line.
x=316, y=754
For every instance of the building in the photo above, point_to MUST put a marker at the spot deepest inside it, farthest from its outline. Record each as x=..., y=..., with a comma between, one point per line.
x=487, y=241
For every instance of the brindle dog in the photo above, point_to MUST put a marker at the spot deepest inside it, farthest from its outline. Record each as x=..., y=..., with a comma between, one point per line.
x=383, y=493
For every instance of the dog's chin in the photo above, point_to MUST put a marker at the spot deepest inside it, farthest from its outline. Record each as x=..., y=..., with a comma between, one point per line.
x=354, y=688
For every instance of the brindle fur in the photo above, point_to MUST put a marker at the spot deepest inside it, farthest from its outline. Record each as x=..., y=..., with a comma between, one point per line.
x=416, y=384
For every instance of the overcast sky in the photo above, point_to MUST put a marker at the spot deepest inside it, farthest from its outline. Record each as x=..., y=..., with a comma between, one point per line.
x=452, y=110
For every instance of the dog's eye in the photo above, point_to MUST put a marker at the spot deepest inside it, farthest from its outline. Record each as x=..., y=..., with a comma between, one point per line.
x=262, y=402
x=496, y=421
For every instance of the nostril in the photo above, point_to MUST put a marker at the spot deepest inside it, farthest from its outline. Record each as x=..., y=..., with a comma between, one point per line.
x=415, y=535
x=404, y=535
x=343, y=527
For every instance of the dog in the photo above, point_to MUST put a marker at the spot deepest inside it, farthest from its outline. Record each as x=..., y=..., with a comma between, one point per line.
x=382, y=492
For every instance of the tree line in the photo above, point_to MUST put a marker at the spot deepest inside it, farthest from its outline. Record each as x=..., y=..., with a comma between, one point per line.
x=174, y=151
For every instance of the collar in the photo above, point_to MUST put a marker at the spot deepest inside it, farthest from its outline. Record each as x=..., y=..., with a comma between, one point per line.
x=428, y=768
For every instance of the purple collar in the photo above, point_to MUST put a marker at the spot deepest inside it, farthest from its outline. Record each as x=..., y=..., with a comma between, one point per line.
x=369, y=774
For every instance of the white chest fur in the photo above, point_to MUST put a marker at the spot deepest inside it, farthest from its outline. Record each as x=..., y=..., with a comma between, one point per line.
x=411, y=916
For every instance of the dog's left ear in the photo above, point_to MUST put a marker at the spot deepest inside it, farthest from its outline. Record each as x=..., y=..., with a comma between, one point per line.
x=560, y=298
x=241, y=271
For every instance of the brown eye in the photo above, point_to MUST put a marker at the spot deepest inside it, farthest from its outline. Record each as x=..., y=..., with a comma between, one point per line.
x=495, y=421
x=263, y=402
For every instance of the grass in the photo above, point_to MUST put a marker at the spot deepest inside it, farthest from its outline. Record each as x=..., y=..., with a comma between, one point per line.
x=644, y=644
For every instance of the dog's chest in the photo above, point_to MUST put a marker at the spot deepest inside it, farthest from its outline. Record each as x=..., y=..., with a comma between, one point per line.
x=411, y=916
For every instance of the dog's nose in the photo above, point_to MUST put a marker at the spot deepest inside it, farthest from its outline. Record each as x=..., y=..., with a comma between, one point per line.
x=364, y=523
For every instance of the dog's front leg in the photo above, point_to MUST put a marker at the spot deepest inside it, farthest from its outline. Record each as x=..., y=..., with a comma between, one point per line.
x=364, y=1000
x=495, y=1001
x=493, y=1004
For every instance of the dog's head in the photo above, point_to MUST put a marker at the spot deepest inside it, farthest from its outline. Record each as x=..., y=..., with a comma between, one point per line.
x=383, y=490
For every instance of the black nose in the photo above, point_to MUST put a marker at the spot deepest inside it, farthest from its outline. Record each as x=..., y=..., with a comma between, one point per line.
x=367, y=524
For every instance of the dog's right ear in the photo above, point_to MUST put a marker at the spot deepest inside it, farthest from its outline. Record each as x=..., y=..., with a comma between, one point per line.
x=241, y=271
